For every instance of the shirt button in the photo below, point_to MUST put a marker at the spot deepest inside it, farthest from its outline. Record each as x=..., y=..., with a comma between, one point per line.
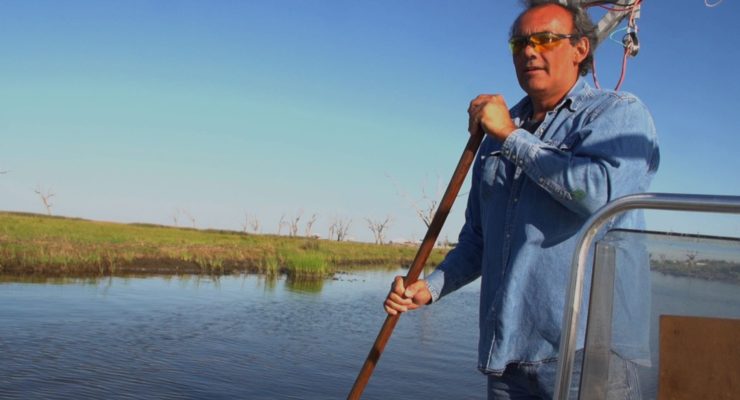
x=542, y=180
x=515, y=200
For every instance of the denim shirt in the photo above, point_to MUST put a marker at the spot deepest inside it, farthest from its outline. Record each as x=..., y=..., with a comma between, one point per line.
x=529, y=197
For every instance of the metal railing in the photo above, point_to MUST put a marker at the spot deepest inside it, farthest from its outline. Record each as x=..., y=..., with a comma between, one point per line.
x=648, y=201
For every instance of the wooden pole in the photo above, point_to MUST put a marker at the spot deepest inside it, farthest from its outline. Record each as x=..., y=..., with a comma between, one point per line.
x=458, y=177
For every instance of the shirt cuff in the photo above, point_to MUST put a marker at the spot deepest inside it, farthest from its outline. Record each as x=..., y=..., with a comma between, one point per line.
x=435, y=282
x=518, y=146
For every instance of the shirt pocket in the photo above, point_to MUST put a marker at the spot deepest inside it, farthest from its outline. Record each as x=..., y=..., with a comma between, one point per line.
x=491, y=165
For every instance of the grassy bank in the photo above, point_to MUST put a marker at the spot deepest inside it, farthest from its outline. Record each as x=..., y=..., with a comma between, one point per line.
x=32, y=244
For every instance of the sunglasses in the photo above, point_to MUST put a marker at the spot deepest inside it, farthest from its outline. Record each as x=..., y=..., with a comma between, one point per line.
x=540, y=41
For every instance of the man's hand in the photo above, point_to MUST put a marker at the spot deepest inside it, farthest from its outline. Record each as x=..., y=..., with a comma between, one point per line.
x=489, y=112
x=401, y=299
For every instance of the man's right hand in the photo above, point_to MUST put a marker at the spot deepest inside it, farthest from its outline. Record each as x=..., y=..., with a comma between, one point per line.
x=489, y=113
x=401, y=299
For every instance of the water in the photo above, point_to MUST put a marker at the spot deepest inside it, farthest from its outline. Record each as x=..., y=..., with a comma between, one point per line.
x=249, y=337
x=232, y=337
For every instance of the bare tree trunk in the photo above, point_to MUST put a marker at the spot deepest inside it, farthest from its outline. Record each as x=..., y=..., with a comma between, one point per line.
x=309, y=225
x=189, y=216
x=378, y=228
x=332, y=228
x=281, y=223
x=339, y=228
x=255, y=224
x=294, y=224
x=426, y=206
x=45, y=196
x=245, y=224
x=250, y=223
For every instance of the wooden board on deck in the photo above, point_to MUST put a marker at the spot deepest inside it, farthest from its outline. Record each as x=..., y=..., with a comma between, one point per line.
x=699, y=358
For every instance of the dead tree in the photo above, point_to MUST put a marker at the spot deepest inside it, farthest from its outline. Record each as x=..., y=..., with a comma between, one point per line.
x=378, y=228
x=427, y=210
x=339, y=228
x=189, y=216
x=255, y=224
x=426, y=206
x=309, y=224
x=250, y=223
x=245, y=224
x=281, y=223
x=293, y=225
x=45, y=196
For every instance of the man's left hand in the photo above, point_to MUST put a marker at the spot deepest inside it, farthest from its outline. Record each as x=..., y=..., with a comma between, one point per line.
x=490, y=113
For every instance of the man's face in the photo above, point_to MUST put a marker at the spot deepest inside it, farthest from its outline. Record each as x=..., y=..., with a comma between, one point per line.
x=551, y=73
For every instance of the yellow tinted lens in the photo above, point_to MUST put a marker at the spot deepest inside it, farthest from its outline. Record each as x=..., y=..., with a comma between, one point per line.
x=517, y=44
x=544, y=41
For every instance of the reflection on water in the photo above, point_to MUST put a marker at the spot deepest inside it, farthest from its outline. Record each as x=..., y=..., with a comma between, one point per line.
x=256, y=337
x=303, y=284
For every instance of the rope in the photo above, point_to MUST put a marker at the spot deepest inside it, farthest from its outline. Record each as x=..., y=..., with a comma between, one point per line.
x=624, y=69
x=631, y=29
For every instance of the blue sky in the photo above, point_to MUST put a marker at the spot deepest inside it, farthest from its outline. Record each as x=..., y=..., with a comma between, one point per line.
x=131, y=111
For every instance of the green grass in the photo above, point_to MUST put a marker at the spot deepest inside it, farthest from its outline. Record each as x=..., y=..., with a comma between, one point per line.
x=34, y=244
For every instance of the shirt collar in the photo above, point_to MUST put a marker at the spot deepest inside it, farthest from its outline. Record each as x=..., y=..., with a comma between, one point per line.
x=572, y=101
x=576, y=95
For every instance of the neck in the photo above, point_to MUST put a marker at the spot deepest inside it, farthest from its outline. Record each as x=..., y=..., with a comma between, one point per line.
x=544, y=102
x=541, y=106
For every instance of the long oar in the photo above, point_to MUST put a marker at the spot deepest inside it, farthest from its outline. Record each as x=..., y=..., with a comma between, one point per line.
x=458, y=177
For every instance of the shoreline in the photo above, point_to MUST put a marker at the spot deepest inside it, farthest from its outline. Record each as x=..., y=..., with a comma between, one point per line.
x=33, y=244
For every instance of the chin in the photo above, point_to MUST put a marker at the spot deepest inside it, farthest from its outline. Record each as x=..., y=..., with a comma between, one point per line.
x=533, y=87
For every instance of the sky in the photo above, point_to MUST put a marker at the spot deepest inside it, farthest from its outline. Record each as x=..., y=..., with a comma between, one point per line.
x=153, y=111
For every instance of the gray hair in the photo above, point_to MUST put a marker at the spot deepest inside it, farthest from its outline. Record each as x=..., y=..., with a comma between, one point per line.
x=582, y=24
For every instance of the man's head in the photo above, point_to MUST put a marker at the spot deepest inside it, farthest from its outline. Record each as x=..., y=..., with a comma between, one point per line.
x=551, y=45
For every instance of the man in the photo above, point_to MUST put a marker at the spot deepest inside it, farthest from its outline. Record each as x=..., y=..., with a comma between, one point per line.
x=544, y=167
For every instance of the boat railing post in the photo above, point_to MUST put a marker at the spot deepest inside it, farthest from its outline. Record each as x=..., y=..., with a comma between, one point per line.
x=597, y=351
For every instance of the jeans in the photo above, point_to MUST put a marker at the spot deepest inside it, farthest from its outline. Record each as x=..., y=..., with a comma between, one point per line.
x=537, y=381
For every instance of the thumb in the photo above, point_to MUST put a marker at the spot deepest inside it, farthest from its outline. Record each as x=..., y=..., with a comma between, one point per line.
x=414, y=288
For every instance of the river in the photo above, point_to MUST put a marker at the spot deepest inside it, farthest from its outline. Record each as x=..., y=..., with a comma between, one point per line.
x=231, y=337
x=251, y=337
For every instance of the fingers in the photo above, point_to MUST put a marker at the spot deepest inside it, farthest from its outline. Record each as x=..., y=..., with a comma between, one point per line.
x=415, y=288
x=396, y=302
x=397, y=286
x=419, y=293
x=477, y=110
x=401, y=299
x=488, y=113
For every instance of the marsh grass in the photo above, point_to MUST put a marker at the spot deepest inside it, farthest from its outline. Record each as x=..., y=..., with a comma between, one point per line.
x=33, y=244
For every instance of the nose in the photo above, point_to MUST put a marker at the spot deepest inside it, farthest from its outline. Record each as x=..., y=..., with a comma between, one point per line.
x=528, y=51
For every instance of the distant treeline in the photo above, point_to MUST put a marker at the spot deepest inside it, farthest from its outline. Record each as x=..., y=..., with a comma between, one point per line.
x=34, y=244
x=712, y=270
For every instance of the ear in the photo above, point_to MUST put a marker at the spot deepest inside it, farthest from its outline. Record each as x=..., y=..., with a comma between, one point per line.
x=581, y=50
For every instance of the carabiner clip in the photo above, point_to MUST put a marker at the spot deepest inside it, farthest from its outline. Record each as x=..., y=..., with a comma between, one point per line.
x=631, y=43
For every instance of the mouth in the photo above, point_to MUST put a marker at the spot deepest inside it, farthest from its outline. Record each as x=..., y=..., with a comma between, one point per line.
x=532, y=69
